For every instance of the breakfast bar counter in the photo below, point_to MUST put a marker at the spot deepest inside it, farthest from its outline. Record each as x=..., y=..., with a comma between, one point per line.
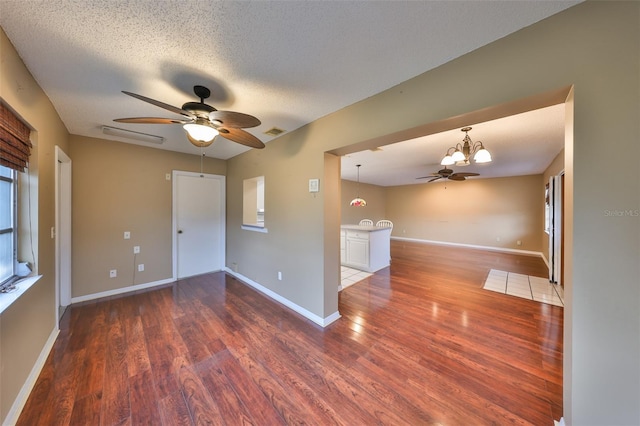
x=367, y=248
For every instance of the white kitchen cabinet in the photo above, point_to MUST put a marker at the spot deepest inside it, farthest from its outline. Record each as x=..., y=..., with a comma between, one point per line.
x=367, y=248
x=357, y=249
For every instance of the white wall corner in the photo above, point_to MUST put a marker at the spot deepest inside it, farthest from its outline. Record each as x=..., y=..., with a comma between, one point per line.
x=323, y=322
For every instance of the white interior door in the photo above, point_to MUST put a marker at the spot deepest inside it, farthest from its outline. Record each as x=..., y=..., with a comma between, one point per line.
x=62, y=231
x=198, y=223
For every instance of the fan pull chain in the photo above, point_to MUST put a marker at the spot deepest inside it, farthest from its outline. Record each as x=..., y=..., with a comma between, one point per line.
x=201, y=160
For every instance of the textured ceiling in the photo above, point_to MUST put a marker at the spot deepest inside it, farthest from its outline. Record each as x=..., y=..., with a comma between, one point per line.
x=287, y=63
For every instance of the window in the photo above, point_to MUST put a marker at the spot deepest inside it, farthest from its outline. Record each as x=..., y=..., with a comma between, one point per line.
x=15, y=149
x=8, y=224
x=253, y=203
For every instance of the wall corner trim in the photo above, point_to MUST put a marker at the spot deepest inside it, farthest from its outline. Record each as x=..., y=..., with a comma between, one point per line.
x=121, y=290
x=323, y=322
x=489, y=248
x=27, y=387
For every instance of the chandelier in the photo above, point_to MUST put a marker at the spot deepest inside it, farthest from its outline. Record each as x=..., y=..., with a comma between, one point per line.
x=460, y=154
x=358, y=202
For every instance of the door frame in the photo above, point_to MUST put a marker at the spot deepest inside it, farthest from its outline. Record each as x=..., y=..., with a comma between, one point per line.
x=556, y=228
x=62, y=231
x=174, y=219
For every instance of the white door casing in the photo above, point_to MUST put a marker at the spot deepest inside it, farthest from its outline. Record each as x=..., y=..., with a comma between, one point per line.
x=62, y=230
x=555, y=229
x=198, y=223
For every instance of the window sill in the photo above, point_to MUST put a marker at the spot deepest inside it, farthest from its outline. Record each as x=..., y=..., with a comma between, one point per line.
x=255, y=228
x=6, y=299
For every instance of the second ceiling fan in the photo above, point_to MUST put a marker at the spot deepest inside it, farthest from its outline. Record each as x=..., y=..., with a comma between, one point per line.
x=203, y=122
x=447, y=173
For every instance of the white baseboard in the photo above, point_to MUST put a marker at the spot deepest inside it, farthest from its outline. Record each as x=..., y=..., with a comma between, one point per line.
x=323, y=322
x=120, y=290
x=27, y=387
x=490, y=248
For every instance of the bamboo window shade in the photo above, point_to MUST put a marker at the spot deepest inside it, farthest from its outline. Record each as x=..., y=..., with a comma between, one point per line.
x=15, y=146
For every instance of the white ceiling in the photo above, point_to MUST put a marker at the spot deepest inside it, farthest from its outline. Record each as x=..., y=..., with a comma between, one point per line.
x=286, y=62
x=522, y=144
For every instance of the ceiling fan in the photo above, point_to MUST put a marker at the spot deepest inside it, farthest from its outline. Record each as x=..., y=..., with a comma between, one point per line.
x=447, y=173
x=203, y=122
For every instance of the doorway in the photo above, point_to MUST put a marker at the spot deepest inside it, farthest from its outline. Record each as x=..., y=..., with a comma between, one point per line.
x=62, y=231
x=198, y=223
x=556, y=228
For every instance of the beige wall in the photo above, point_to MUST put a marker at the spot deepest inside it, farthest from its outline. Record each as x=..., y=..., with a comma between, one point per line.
x=120, y=187
x=593, y=46
x=294, y=218
x=374, y=195
x=30, y=321
x=475, y=212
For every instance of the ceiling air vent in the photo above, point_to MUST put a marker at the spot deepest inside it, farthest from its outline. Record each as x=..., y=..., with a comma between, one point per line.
x=274, y=131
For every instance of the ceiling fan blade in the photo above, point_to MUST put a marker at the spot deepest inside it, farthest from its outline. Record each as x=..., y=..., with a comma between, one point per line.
x=151, y=120
x=231, y=119
x=466, y=174
x=456, y=177
x=439, y=177
x=424, y=177
x=240, y=136
x=159, y=104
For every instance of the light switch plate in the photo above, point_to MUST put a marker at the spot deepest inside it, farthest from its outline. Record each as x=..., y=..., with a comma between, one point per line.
x=314, y=185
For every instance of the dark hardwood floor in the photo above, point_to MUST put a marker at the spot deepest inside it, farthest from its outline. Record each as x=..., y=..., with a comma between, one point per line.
x=418, y=343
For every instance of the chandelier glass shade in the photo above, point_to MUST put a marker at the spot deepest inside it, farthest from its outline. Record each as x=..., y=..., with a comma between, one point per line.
x=460, y=155
x=358, y=202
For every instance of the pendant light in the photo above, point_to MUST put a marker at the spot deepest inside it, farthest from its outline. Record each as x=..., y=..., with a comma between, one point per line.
x=358, y=202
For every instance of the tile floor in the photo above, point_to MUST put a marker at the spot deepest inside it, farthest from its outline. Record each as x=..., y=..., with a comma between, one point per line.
x=350, y=276
x=526, y=286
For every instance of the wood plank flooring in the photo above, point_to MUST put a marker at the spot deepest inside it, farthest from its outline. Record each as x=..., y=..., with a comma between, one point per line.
x=419, y=343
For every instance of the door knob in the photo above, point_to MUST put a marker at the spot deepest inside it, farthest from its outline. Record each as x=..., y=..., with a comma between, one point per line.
x=179, y=231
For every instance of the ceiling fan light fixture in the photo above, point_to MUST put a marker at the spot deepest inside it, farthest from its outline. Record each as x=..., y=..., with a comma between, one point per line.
x=202, y=122
x=200, y=132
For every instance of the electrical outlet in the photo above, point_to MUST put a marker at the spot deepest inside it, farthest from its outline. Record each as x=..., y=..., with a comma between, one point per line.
x=136, y=249
x=127, y=235
x=141, y=267
x=113, y=273
x=519, y=242
x=167, y=176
